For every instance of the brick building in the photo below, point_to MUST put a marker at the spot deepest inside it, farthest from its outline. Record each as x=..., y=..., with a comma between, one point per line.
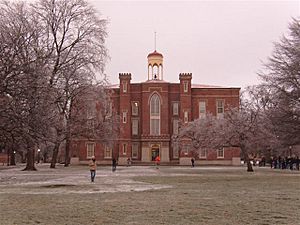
x=151, y=113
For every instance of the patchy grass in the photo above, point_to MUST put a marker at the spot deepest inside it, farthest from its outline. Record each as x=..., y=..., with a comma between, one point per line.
x=57, y=185
x=144, y=195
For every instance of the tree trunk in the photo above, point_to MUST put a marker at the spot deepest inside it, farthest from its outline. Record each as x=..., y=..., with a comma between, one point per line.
x=30, y=159
x=45, y=156
x=54, y=155
x=8, y=154
x=249, y=165
x=67, y=152
x=23, y=158
x=68, y=136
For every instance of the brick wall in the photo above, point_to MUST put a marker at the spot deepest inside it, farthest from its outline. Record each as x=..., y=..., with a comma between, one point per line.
x=169, y=93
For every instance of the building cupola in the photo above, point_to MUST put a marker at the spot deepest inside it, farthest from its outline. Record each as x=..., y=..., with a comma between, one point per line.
x=155, y=66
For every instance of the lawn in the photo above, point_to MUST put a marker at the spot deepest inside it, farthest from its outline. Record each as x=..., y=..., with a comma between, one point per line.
x=145, y=195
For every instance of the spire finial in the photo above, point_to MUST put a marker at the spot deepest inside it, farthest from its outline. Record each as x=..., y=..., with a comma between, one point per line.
x=154, y=40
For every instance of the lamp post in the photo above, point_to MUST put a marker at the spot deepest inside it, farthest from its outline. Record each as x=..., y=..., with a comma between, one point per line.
x=290, y=151
x=13, y=158
x=38, y=155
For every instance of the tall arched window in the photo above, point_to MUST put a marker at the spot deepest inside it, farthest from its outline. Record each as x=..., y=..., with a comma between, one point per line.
x=155, y=72
x=155, y=115
x=150, y=72
x=160, y=72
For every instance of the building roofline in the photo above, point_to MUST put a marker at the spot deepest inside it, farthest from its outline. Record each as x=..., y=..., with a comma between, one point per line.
x=194, y=86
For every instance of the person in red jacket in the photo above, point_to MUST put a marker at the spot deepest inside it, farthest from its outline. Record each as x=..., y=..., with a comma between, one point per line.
x=157, y=161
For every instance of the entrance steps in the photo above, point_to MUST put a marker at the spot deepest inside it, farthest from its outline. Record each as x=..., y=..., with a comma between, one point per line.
x=139, y=163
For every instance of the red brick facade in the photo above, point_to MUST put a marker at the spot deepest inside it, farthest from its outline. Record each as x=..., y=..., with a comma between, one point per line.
x=150, y=110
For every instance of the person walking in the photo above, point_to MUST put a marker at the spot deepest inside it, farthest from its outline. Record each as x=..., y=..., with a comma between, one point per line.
x=93, y=167
x=157, y=161
x=297, y=162
x=193, y=162
x=128, y=162
x=114, y=164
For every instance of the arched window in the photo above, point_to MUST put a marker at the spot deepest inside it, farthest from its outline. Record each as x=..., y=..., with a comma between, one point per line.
x=150, y=72
x=155, y=115
x=160, y=72
x=155, y=72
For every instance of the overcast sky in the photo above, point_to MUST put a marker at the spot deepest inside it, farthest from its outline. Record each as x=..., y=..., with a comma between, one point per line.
x=220, y=42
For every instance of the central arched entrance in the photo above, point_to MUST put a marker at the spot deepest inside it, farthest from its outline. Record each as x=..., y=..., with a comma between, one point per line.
x=154, y=151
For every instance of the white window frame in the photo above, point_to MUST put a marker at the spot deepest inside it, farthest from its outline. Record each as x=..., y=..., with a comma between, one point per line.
x=135, y=108
x=221, y=107
x=124, y=148
x=175, y=151
x=90, y=150
x=220, y=156
x=124, y=84
x=90, y=109
x=90, y=124
x=185, y=149
x=175, y=126
x=185, y=116
x=109, y=109
x=202, y=109
x=185, y=86
x=175, y=109
x=135, y=127
x=135, y=149
x=201, y=155
x=107, y=152
x=155, y=115
x=124, y=117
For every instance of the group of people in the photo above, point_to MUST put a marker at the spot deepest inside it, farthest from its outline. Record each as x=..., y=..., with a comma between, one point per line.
x=291, y=163
x=93, y=167
x=280, y=162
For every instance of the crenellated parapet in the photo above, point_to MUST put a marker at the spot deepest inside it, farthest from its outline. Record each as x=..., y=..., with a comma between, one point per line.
x=185, y=76
x=125, y=76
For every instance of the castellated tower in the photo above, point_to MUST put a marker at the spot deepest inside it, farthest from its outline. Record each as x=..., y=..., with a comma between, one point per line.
x=185, y=96
x=125, y=113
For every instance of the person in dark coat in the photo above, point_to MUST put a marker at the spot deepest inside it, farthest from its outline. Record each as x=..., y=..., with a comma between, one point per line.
x=114, y=164
x=129, y=162
x=193, y=162
x=297, y=162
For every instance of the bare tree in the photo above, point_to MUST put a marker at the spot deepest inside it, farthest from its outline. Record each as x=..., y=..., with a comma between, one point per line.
x=281, y=82
x=93, y=116
x=22, y=61
x=247, y=128
x=50, y=52
x=74, y=35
